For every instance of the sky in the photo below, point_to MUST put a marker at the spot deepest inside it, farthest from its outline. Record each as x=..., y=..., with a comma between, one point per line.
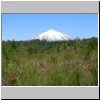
x=28, y=26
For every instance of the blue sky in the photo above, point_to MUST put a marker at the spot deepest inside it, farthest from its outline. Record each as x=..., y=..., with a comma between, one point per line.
x=26, y=26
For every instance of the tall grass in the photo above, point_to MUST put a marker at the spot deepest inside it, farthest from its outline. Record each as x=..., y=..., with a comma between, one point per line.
x=41, y=63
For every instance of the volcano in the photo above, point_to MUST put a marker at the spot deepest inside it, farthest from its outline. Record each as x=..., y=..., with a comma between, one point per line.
x=52, y=35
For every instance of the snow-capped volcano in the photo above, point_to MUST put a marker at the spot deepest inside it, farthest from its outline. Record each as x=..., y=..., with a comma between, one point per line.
x=52, y=35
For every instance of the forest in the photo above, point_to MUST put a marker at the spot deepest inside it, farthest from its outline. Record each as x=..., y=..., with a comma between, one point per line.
x=43, y=63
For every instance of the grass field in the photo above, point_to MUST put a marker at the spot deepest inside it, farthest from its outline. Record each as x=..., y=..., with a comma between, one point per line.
x=42, y=63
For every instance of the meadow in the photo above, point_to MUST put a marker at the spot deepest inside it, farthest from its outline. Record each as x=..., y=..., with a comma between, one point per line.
x=42, y=63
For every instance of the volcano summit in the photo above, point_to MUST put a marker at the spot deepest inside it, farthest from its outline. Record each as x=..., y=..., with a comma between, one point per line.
x=52, y=35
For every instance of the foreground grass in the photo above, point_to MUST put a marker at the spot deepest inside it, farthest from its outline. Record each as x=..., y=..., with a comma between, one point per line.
x=35, y=63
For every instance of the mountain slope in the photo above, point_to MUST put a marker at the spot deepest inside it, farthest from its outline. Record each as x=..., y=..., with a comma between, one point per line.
x=52, y=35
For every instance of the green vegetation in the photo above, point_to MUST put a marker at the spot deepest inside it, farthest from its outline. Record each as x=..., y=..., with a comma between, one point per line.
x=42, y=63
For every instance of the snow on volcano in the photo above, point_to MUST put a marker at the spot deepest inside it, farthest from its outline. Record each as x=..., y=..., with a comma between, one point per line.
x=52, y=35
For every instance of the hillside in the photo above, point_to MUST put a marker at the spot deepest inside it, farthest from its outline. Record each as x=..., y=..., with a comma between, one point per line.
x=42, y=63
